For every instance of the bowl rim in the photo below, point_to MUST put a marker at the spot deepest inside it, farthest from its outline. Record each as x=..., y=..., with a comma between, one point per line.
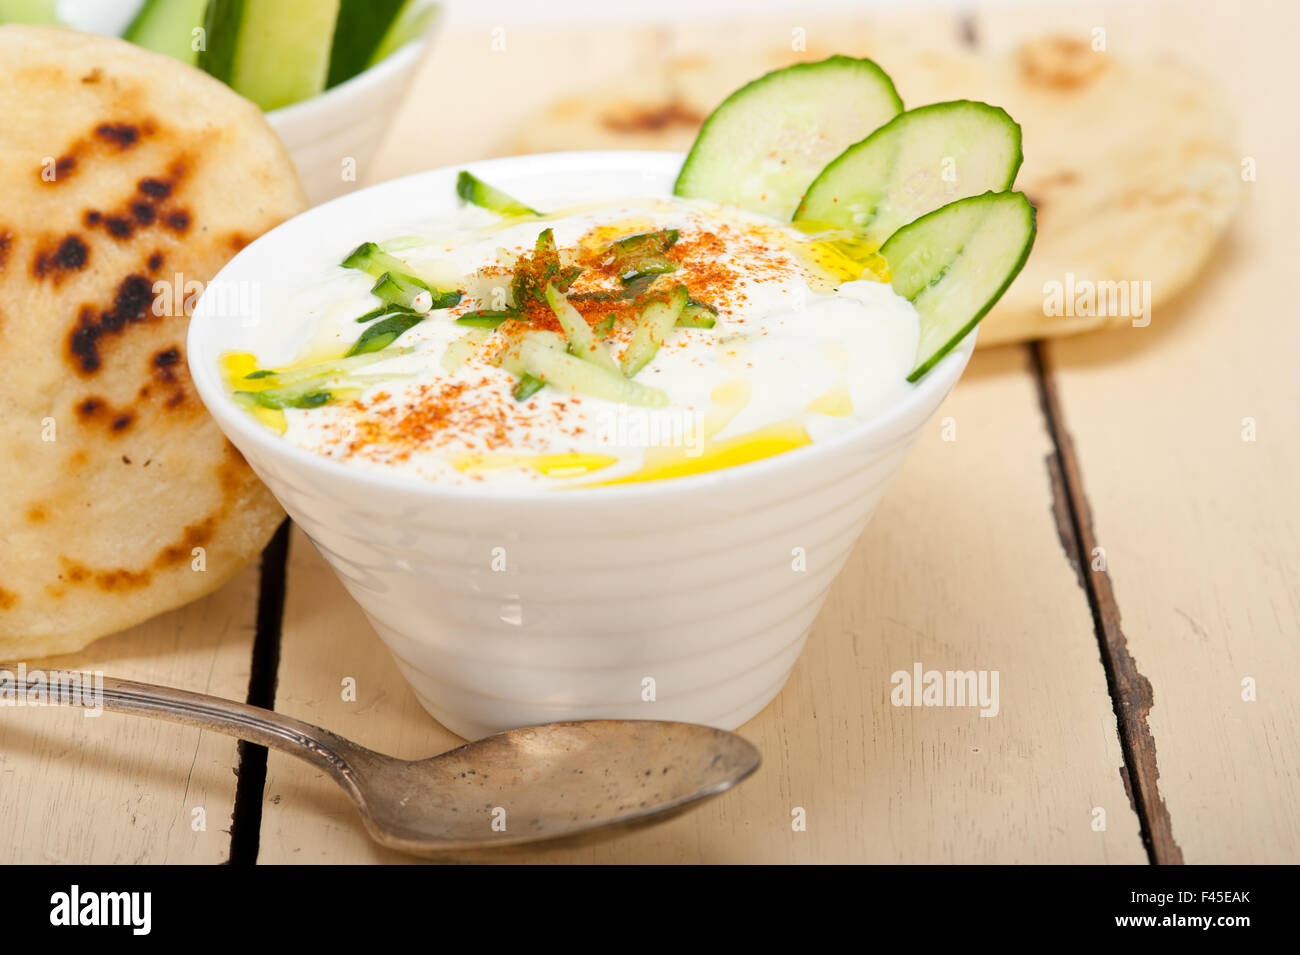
x=243, y=430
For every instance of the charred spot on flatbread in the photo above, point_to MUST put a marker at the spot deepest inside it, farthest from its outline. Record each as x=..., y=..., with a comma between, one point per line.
x=132, y=304
x=55, y=262
x=1061, y=62
x=651, y=117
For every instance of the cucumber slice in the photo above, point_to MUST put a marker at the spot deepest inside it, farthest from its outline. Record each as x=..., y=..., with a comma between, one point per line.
x=768, y=140
x=167, y=26
x=918, y=161
x=474, y=190
x=954, y=263
x=275, y=52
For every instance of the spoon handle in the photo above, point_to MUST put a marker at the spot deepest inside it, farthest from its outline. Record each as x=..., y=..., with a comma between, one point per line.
x=266, y=727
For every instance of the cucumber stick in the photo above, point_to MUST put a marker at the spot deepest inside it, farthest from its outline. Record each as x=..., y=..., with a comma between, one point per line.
x=582, y=341
x=652, y=327
x=918, y=161
x=768, y=140
x=168, y=26
x=411, y=21
x=362, y=24
x=29, y=11
x=562, y=370
x=954, y=263
x=275, y=52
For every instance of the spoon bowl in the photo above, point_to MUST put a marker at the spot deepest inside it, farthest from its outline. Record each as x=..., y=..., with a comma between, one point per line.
x=539, y=783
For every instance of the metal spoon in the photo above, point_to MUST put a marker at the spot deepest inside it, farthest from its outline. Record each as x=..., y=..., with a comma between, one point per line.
x=529, y=785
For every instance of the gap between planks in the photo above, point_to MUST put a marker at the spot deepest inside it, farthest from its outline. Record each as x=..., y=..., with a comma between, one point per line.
x=1130, y=692
x=246, y=819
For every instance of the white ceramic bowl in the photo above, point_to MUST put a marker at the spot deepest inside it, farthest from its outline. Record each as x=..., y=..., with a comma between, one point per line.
x=332, y=137
x=689, y=582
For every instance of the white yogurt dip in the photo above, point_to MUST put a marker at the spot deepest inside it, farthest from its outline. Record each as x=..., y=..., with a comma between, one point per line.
x=792, y=357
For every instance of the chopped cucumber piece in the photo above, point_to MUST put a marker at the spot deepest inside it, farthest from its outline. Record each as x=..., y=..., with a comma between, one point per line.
x=167, y=26
x=396, y=282
x=296, y=396
x=582, y=341
x=474, y=190
x=459, y=351
x=275, y=52
x=640, y=256
x=488, y=318
x=397, y=289
x=768, y=140
x=508, y=358
x=697, y=314
x=954, y=263
x=383, y=333
x=526, y=387
x=565, y=371
x=652, y=328
x=325, y=369
x=915, y=163
x=368, y=257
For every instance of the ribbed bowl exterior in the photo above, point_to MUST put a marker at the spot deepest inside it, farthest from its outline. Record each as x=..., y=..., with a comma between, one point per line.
x=683, y=599
x=503, y=614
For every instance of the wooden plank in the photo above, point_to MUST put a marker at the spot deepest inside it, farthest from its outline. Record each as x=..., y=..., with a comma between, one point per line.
x=1199, y=525
x=121, y=789
x=932, y=581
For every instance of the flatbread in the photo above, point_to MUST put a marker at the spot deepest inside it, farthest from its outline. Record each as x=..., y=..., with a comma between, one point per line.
x=1131, y=165
x=120, y=169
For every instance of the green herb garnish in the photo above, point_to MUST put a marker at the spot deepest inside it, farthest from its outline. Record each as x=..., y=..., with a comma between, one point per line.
x=381, y=311
x=384, y=333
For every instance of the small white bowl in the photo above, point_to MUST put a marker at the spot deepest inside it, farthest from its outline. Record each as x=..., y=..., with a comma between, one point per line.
x=331, y=137
x=687, y=582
